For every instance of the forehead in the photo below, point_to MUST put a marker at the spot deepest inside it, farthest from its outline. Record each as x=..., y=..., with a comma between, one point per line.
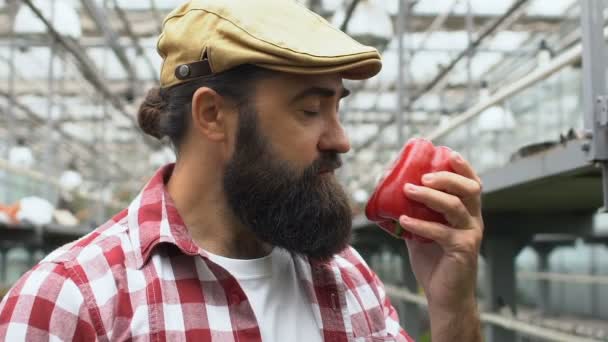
x=288, y=84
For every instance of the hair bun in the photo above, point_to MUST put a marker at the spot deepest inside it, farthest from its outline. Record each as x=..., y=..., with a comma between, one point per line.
x=150, y=113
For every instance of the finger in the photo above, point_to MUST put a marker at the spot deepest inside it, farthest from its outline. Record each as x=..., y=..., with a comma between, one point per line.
x=452, y=208
x=447, y=238
x=468, y=190
x=435, y=231
x=463, y=168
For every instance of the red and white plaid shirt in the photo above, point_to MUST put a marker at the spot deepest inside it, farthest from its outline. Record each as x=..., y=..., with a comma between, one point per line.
x=140, y=276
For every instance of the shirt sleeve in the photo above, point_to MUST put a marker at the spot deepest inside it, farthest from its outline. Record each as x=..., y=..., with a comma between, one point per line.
x=45, y=304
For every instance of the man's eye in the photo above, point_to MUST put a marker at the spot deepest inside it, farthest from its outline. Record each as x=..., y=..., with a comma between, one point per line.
x=310, y=113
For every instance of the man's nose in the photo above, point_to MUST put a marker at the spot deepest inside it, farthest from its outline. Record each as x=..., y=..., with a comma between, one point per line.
x=334, y=138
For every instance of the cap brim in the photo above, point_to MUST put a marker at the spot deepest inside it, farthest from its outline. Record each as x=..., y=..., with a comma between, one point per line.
x=359, y=70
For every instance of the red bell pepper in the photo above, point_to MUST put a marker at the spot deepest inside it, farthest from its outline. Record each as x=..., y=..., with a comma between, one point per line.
x=417, y=158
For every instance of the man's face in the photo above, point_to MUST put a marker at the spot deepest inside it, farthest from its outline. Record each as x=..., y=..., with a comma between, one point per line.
x=280, y=180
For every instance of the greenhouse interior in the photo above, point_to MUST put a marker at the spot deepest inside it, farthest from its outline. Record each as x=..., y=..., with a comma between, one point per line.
x=518, y=87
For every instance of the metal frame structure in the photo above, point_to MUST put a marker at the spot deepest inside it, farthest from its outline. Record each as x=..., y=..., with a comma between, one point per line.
x=499, y=327
x=120, y=30
x=128, y=27
x=595, y=92
x=511, y=223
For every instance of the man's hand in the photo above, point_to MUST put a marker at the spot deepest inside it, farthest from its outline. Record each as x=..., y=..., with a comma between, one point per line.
x=447, y=268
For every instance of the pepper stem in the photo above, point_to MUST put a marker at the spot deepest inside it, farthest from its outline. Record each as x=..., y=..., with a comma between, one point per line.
x=397, y=230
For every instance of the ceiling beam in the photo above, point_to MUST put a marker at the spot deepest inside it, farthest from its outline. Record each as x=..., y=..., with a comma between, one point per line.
x=37, y=120
x=349, y=14
x=70, y=88
x=472, y=49
x=88, y=71
x=488, y=31
x=146, y=23
x=456, y=22
x=157, y=16
x=135, y=40
x=435, y=25
x=99, y=17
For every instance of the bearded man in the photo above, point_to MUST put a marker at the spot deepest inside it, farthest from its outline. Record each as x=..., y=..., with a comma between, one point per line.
x=245, y=237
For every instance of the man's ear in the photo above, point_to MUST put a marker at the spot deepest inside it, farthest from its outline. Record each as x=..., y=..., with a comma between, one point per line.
x=209, y=114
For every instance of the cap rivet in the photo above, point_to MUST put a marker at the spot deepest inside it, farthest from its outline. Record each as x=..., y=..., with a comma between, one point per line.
x=183, y=70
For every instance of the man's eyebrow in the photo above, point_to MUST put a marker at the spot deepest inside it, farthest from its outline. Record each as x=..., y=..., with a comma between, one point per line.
x=319, y=91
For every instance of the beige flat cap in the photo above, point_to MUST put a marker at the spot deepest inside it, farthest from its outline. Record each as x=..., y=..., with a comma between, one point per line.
x=210, y=36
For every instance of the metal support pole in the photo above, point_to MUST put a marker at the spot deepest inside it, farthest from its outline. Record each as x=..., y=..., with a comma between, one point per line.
x=100, y=140
x=31, y=256
x=61, y=105
x=12, y=75
x=544, y=287
x=500, y=252
x=594, y=84
x=410, y=314
x=470, y=29
x=604, y=166
x=563, y=269
x=595, y=291
x=101, y=208
x=51, y=140
x=3, y=265
x=561, y=101
x=403, y=7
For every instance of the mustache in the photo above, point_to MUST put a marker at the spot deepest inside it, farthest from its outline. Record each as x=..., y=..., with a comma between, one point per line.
x=327, y=161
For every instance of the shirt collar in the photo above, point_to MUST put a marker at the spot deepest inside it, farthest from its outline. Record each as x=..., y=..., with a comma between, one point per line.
x=154, y=219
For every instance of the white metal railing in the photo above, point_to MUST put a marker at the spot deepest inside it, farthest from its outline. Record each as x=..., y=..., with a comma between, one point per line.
x=6, y=166
x=564, y=278
x=567, y=58
x=54, y=183
x=17, y=182
x=571, y=56
x=495, y=319
x=494, y=149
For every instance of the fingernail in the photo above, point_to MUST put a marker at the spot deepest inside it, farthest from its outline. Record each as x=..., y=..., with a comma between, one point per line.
x=405, y=220
x=428, y=177
x=411, y=187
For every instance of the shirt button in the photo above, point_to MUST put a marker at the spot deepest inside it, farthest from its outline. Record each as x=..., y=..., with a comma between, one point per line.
x=334, y=301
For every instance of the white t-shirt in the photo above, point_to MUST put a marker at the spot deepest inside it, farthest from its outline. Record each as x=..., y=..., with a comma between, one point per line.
x=279, y=302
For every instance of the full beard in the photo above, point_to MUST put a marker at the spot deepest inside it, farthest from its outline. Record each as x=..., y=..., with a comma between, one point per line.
x=303, y=212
